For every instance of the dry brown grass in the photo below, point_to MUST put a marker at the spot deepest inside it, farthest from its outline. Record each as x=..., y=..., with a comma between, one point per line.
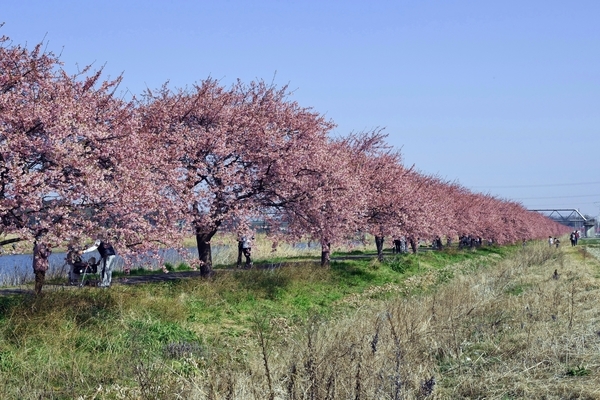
x=263, y=248
x=523, y=327
x=514, y=330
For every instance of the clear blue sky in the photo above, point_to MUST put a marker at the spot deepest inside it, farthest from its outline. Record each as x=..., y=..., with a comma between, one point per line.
x=503, y=96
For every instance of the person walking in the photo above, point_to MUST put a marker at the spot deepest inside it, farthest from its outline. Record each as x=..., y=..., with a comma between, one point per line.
x=107, y=256
x=41, y=252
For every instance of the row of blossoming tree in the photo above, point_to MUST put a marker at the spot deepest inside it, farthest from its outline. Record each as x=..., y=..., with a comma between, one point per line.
x=78, y=161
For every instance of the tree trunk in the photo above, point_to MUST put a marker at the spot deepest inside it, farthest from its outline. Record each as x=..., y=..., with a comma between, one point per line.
x=325, y=254
x=379, y=245
x=240, y=251
x=414, y=244
x=204, y=251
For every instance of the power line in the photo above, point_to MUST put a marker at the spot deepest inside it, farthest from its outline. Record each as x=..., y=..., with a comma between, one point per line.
x=570, y=204
x=559, y=197
x=561, y=204
x=532, y=186
x=586, y=208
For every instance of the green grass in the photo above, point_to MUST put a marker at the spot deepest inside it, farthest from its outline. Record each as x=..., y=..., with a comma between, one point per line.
x=91, y=337
x=516, y=289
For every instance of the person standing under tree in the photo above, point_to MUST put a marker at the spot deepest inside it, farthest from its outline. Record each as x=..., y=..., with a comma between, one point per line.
x=107, y=255
x=41, y=252
x=247, y=250
x=240, y=241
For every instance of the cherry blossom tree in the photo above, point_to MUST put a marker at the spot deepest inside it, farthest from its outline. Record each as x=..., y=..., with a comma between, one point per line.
x=226, y=150
x=77, y=161
x=71, y=163
x=391, y=189
x=330, y=197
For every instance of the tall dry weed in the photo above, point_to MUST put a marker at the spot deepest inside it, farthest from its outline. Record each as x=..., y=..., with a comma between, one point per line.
x=264, y=248
x=524, y=327
x=507, y=329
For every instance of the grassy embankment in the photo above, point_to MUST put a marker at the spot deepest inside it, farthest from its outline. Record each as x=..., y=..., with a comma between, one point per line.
x=493, y=323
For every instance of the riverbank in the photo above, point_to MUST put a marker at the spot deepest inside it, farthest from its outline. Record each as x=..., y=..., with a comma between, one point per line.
x=15, y=269
x=495, y=322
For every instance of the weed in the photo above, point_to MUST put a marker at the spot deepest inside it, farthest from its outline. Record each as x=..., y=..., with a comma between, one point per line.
x=516, y=289
x=403, y=264
x=480, y=322
x=152, y=333
x=578, y=371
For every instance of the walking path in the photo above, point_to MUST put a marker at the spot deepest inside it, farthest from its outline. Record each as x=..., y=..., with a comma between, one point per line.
x=124, y=280
x=165, y=277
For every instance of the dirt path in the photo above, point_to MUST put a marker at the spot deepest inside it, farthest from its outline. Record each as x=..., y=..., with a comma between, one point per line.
x=161, y=277
x=123, y=280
